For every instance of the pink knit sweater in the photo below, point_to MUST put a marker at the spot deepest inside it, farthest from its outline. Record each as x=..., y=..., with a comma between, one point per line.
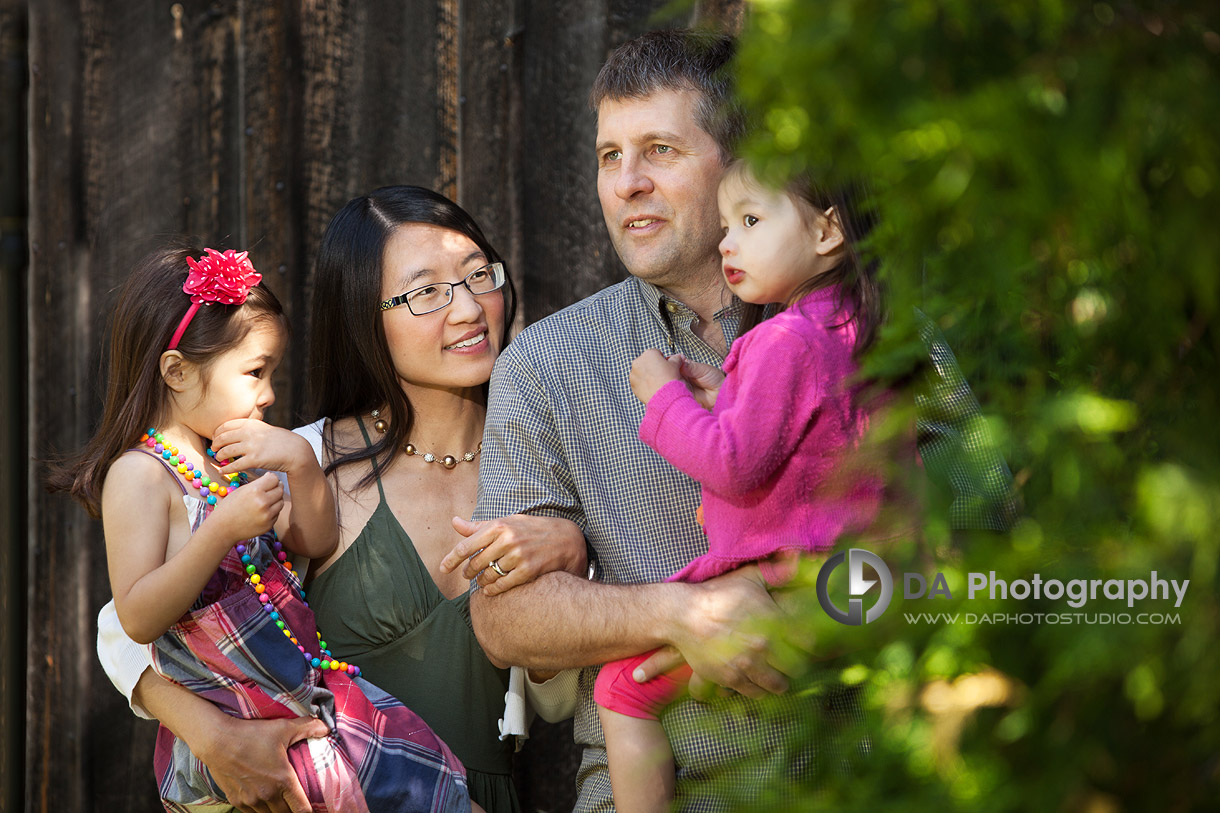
x=771, y=455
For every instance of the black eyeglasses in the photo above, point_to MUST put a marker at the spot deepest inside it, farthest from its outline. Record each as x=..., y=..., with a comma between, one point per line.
x=437, y=295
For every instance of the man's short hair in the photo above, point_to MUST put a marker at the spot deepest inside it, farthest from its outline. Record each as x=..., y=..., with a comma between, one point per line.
x=677, y=59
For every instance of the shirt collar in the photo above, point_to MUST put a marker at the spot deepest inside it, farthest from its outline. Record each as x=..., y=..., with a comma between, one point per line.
x=670, y=313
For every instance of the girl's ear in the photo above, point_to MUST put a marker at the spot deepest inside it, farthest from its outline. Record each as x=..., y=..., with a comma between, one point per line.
x=176, y=371
x=829, y=233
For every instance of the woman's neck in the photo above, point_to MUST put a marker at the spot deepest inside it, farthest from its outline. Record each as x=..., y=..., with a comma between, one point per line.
x=446, y=421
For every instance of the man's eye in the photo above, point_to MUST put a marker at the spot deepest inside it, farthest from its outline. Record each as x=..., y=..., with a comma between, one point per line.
x=612, y=155
x=749, y=220
x=662, y=148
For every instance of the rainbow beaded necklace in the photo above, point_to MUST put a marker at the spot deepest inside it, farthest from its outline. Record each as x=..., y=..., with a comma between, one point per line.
x=216, y=492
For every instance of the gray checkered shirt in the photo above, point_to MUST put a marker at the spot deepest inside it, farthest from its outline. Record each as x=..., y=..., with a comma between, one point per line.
x=562, y=440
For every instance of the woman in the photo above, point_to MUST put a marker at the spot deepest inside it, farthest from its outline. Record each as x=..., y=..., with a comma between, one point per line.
x=411, y=306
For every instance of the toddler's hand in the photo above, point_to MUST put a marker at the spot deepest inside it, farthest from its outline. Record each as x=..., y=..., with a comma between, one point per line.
x=247, y=444
x=651, y=371
x=704, y=380
x=251, y=509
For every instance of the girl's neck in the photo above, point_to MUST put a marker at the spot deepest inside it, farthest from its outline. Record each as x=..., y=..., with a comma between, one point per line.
x=180, y=435
x=446, y=421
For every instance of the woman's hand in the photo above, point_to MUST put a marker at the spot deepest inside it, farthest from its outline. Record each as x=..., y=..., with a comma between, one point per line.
x=249, y=762
x=523, y=547
x=247, y=443
x=650, y=372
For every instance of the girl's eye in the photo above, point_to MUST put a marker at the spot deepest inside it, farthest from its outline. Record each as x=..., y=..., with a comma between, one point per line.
x=257, y=373
x=749, y=220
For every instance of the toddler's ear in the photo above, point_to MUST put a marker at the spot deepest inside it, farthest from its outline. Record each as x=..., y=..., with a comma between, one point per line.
x=829, y=232
x=174, y=370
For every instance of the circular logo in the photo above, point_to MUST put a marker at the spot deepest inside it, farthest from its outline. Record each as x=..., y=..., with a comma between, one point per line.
x=857, y=585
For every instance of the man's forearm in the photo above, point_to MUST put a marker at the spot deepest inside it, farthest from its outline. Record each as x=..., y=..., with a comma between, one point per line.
x=560, y=621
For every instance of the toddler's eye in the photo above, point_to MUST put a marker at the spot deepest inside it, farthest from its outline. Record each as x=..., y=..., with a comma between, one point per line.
x=749, y=220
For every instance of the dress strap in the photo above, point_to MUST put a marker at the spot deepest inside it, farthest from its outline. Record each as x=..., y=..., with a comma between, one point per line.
x=172, y=471
x=376, y=470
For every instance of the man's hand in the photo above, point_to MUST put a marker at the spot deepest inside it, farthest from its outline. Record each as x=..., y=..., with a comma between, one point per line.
x=257, y=777
x=720, y=640
x=650, y=372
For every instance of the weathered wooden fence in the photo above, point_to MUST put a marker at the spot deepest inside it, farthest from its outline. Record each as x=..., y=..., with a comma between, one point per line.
x=247, y=123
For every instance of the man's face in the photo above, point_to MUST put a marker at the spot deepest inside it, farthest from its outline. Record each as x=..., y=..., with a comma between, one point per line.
x=657, y=173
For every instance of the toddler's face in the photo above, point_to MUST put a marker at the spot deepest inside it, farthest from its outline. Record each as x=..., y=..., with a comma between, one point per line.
x=238, y=381
x=767, y=251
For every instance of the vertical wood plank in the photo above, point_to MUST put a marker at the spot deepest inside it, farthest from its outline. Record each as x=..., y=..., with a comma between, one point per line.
x=54, y=725
x=13, y=270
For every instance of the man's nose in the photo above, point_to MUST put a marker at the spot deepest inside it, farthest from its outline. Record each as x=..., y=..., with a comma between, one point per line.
x=633, y=178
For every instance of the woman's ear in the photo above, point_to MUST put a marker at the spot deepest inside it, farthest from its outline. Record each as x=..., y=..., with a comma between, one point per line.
x=176, y=371
x=829, y=232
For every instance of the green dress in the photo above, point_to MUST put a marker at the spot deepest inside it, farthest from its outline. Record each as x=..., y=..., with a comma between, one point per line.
x=378, y=607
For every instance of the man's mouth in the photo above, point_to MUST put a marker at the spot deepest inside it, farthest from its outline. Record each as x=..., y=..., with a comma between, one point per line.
x=478, y=338
x=641, y=223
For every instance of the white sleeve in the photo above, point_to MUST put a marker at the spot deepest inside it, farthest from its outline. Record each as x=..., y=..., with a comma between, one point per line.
x=553, y=699
x=122, y=658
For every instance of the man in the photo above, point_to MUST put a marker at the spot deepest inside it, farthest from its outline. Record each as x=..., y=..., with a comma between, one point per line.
x=561, y=437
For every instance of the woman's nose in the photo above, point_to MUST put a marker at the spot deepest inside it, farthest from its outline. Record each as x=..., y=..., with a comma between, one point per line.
x=465, y=306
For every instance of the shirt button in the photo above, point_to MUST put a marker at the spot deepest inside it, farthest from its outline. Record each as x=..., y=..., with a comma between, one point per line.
x=671, y=307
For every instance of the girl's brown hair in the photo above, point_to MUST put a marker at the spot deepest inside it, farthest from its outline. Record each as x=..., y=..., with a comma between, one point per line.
x=150, y=306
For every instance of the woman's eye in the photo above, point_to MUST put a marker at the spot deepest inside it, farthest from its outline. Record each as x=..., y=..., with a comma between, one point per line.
x=477, y=276
x=418, y=292
x=749, y=220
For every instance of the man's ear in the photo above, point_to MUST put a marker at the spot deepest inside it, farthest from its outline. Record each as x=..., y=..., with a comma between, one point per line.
x=176, y=371
x=829, y=232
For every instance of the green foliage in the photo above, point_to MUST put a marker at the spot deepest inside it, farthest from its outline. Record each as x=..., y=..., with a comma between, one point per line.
x=1047, y=176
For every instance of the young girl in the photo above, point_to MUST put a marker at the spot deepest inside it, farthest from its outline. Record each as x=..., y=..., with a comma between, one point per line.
x=772, y=454
x=197, y=551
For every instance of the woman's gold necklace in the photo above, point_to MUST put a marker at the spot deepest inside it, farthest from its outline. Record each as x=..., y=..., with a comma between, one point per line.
x=448, y=461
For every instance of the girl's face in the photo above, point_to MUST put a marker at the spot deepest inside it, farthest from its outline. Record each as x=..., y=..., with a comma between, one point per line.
x=768, y=250
x=237, y=384
x=455, y=347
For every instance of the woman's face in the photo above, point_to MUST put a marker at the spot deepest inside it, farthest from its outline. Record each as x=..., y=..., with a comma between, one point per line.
x=453, y=348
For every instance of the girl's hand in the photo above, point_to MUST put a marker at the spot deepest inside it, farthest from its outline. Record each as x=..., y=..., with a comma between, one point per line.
x=250, y=510
x=704, y=380
x=651, y=371
x=250, y=444
x=522, y=546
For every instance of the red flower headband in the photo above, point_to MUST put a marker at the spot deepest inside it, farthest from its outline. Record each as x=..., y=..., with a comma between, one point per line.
x=225, y=278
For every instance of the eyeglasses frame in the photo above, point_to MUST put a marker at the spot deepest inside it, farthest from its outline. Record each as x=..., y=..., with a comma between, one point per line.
x=402, y=299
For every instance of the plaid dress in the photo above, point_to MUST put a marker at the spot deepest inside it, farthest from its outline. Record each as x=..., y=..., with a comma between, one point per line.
x=379, y=755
